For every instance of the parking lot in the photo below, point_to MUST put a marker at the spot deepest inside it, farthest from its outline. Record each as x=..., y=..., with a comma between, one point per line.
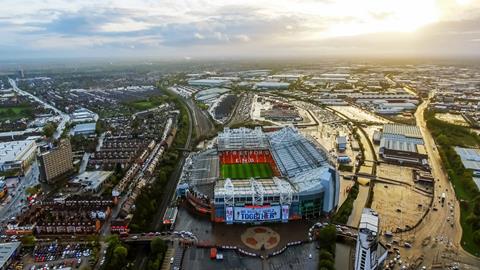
x=55, y=256
x=303, y=256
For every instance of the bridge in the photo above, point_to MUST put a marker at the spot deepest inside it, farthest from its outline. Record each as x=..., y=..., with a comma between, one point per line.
x=142, y=238
x=345, y=231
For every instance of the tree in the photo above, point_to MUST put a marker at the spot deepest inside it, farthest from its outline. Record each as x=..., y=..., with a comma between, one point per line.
x=158, y=246
x=119, y=257
x=327, y=237
x=29, y=240
x=49, y=130
x=325, y=255
x=326, y=264
x=476, y=237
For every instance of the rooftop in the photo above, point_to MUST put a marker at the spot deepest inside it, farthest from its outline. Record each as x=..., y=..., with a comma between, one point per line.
x=84, y=127
x=293, y=153
x=15, y=150
x=91, y=180
x=470, y=157
x=246, y=187
x=242, y=138
x=7, y=250
x=369, y=220
x=405, y=130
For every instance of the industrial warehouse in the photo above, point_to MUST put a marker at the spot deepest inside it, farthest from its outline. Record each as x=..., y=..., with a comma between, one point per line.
x=249, y=176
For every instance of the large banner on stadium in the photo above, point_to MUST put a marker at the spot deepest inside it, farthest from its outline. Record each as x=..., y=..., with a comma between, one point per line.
x=285, y=212
x=257, y=213
x=229, y=215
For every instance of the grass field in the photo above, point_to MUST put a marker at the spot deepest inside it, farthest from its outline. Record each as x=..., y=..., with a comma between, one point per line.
x=246, y=170
x=14, y=113
x=145, y=104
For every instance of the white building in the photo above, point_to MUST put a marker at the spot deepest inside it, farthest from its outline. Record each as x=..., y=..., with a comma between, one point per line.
x=272, y=85
x=17, y=155
x=209, y=82
x=83, y=115
x=369, y=254
x=83, y=129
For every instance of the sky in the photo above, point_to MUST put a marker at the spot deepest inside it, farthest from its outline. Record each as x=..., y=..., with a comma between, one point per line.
x=187, y=29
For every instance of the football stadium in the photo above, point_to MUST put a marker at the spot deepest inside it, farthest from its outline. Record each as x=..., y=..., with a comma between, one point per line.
x=251, y=176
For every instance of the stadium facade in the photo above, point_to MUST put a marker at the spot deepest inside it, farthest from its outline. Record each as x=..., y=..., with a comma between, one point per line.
x=266, y=177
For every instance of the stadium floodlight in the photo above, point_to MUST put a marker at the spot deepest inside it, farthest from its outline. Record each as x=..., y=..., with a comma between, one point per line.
x=285, y=191
x=229, y=195
x=257, y=192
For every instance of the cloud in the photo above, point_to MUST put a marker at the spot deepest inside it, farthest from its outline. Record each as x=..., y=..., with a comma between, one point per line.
x=247, y=27
x=199, y=36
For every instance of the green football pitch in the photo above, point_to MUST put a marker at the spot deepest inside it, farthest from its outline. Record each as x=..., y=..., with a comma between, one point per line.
x=246, y=170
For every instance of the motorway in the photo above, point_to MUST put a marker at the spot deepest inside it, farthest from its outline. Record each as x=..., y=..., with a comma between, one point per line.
x=65, y=117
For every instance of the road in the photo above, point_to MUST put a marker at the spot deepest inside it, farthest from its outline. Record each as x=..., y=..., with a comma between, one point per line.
x=13, y=207
x=362, y=197
x=65, y=117
x=435, y=224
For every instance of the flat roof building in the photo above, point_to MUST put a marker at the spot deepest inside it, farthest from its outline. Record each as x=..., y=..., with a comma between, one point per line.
x=8, y=251
x=17, y=155
x=83, y=115
x=84, y=129
x=209, y=82
x=272, y=85
x=403, y=144
x=471, y=160
x=92, y=181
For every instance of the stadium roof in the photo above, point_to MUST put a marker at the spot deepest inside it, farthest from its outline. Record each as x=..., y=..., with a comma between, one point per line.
x=293, y=153
x=242, y=139
x=244, y=187
x=311, y=180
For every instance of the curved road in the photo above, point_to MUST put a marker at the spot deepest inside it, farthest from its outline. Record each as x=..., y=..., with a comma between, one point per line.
x=65, y=117
x=435, y=224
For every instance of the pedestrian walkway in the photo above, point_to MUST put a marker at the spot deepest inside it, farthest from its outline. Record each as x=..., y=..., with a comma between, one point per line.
x=168, y=254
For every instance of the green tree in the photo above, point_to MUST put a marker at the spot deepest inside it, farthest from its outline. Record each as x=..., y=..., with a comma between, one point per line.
x=327, y=238
x=49, y=130
x=326, y=264
x=119, y=257
x=158, y=246
x=28, y=240
x=476, y=237
x=325, y=255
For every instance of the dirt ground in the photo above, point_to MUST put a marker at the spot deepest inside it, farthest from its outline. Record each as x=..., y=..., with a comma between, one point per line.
x=398, y=173
x=398, y=206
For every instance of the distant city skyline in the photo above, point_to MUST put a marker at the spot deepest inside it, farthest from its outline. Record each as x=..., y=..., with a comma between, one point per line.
x=239, y=29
